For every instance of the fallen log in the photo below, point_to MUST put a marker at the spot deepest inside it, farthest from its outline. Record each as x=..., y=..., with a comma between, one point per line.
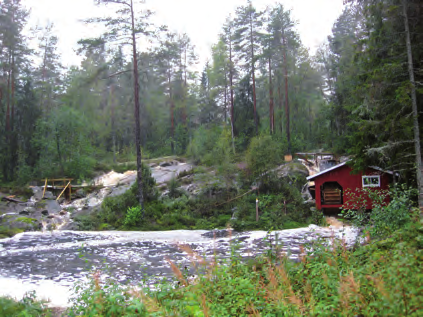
x=11, y=199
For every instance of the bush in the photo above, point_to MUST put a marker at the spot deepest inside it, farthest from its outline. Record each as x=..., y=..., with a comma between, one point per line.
x=27, y=306
x=87, y=222
x=173, y=186
x=133, y=217
x=385, y=217
x=8, y=232
x=202, y=145
x=262, y=155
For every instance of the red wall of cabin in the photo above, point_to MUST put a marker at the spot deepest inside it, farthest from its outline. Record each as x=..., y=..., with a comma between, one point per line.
x=343, y=177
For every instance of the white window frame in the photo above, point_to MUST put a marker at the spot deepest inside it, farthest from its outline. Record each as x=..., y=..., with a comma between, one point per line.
x=370, y=177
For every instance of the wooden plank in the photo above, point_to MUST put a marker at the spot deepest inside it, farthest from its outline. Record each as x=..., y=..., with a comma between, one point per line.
x=45, y=187
x=63, y=191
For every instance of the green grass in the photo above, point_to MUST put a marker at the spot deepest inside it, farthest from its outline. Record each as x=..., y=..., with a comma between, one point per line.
x=8, y=232
x=26, y=307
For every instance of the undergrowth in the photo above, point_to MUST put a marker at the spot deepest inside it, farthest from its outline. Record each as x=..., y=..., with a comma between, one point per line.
x=27, y=306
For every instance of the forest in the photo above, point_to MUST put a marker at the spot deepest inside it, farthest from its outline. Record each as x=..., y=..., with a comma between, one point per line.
x=353, y=97
x=140, y=95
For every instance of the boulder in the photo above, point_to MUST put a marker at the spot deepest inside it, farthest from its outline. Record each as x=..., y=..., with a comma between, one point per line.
x=24, y=223
x=169, y=163
x=38, y=193
x=80, y=193
x=292, y=168
x=28, y=211
x=53, y=207
x=71, y=226
x=63, y=212
x=49, y=195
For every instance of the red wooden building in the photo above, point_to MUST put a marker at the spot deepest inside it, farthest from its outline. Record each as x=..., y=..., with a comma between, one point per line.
x=331, y=184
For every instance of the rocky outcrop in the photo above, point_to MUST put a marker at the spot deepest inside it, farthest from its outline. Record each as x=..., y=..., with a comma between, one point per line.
x=292, y=169
x=35, y=214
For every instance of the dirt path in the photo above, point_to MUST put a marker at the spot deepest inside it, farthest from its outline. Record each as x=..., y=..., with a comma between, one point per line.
x=332, y=221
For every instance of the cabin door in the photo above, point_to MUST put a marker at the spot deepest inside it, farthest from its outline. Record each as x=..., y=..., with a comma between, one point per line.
x=332, y=194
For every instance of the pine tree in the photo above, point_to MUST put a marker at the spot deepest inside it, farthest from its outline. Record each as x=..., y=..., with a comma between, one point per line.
x=247, y=39
x=127, y=26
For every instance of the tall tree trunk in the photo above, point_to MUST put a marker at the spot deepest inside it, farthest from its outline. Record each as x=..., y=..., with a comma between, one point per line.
x=231, y=83
x=253, y=73
x=280, y=105
x=285, y=66
x=225, y=102
x=184, y=109
x=172, y=114
x=113, y=123
x=43, y=95
x=12, y=114
x=419, y=165
x=8, y=99
x=271, y=106
x=137, y=113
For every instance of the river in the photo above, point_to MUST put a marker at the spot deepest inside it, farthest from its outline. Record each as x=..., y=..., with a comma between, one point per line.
x=51, y=262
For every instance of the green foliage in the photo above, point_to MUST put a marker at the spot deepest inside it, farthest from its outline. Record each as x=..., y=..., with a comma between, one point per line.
x=173, y=187
x=30, y=221
x=88, y=222
x=385, y=217
x=8, y=232
x=282, y=209
x=104, y=300
x=64, y=146
x=27, y=306
x=263, y=154
x=317, y=217
x=133, y=216
x=201, y=147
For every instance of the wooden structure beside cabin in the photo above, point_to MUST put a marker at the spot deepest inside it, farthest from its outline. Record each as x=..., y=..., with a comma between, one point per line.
x=330, y=185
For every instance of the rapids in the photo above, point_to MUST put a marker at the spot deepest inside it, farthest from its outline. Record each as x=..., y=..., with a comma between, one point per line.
x=51, y=262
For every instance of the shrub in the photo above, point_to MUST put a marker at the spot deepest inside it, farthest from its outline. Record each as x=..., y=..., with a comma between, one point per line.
x=8, y=232
x=133, y=217
x=173, y=187
x=202, y=145
x=27, y=306
x=385, y=217
x=262, y=154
